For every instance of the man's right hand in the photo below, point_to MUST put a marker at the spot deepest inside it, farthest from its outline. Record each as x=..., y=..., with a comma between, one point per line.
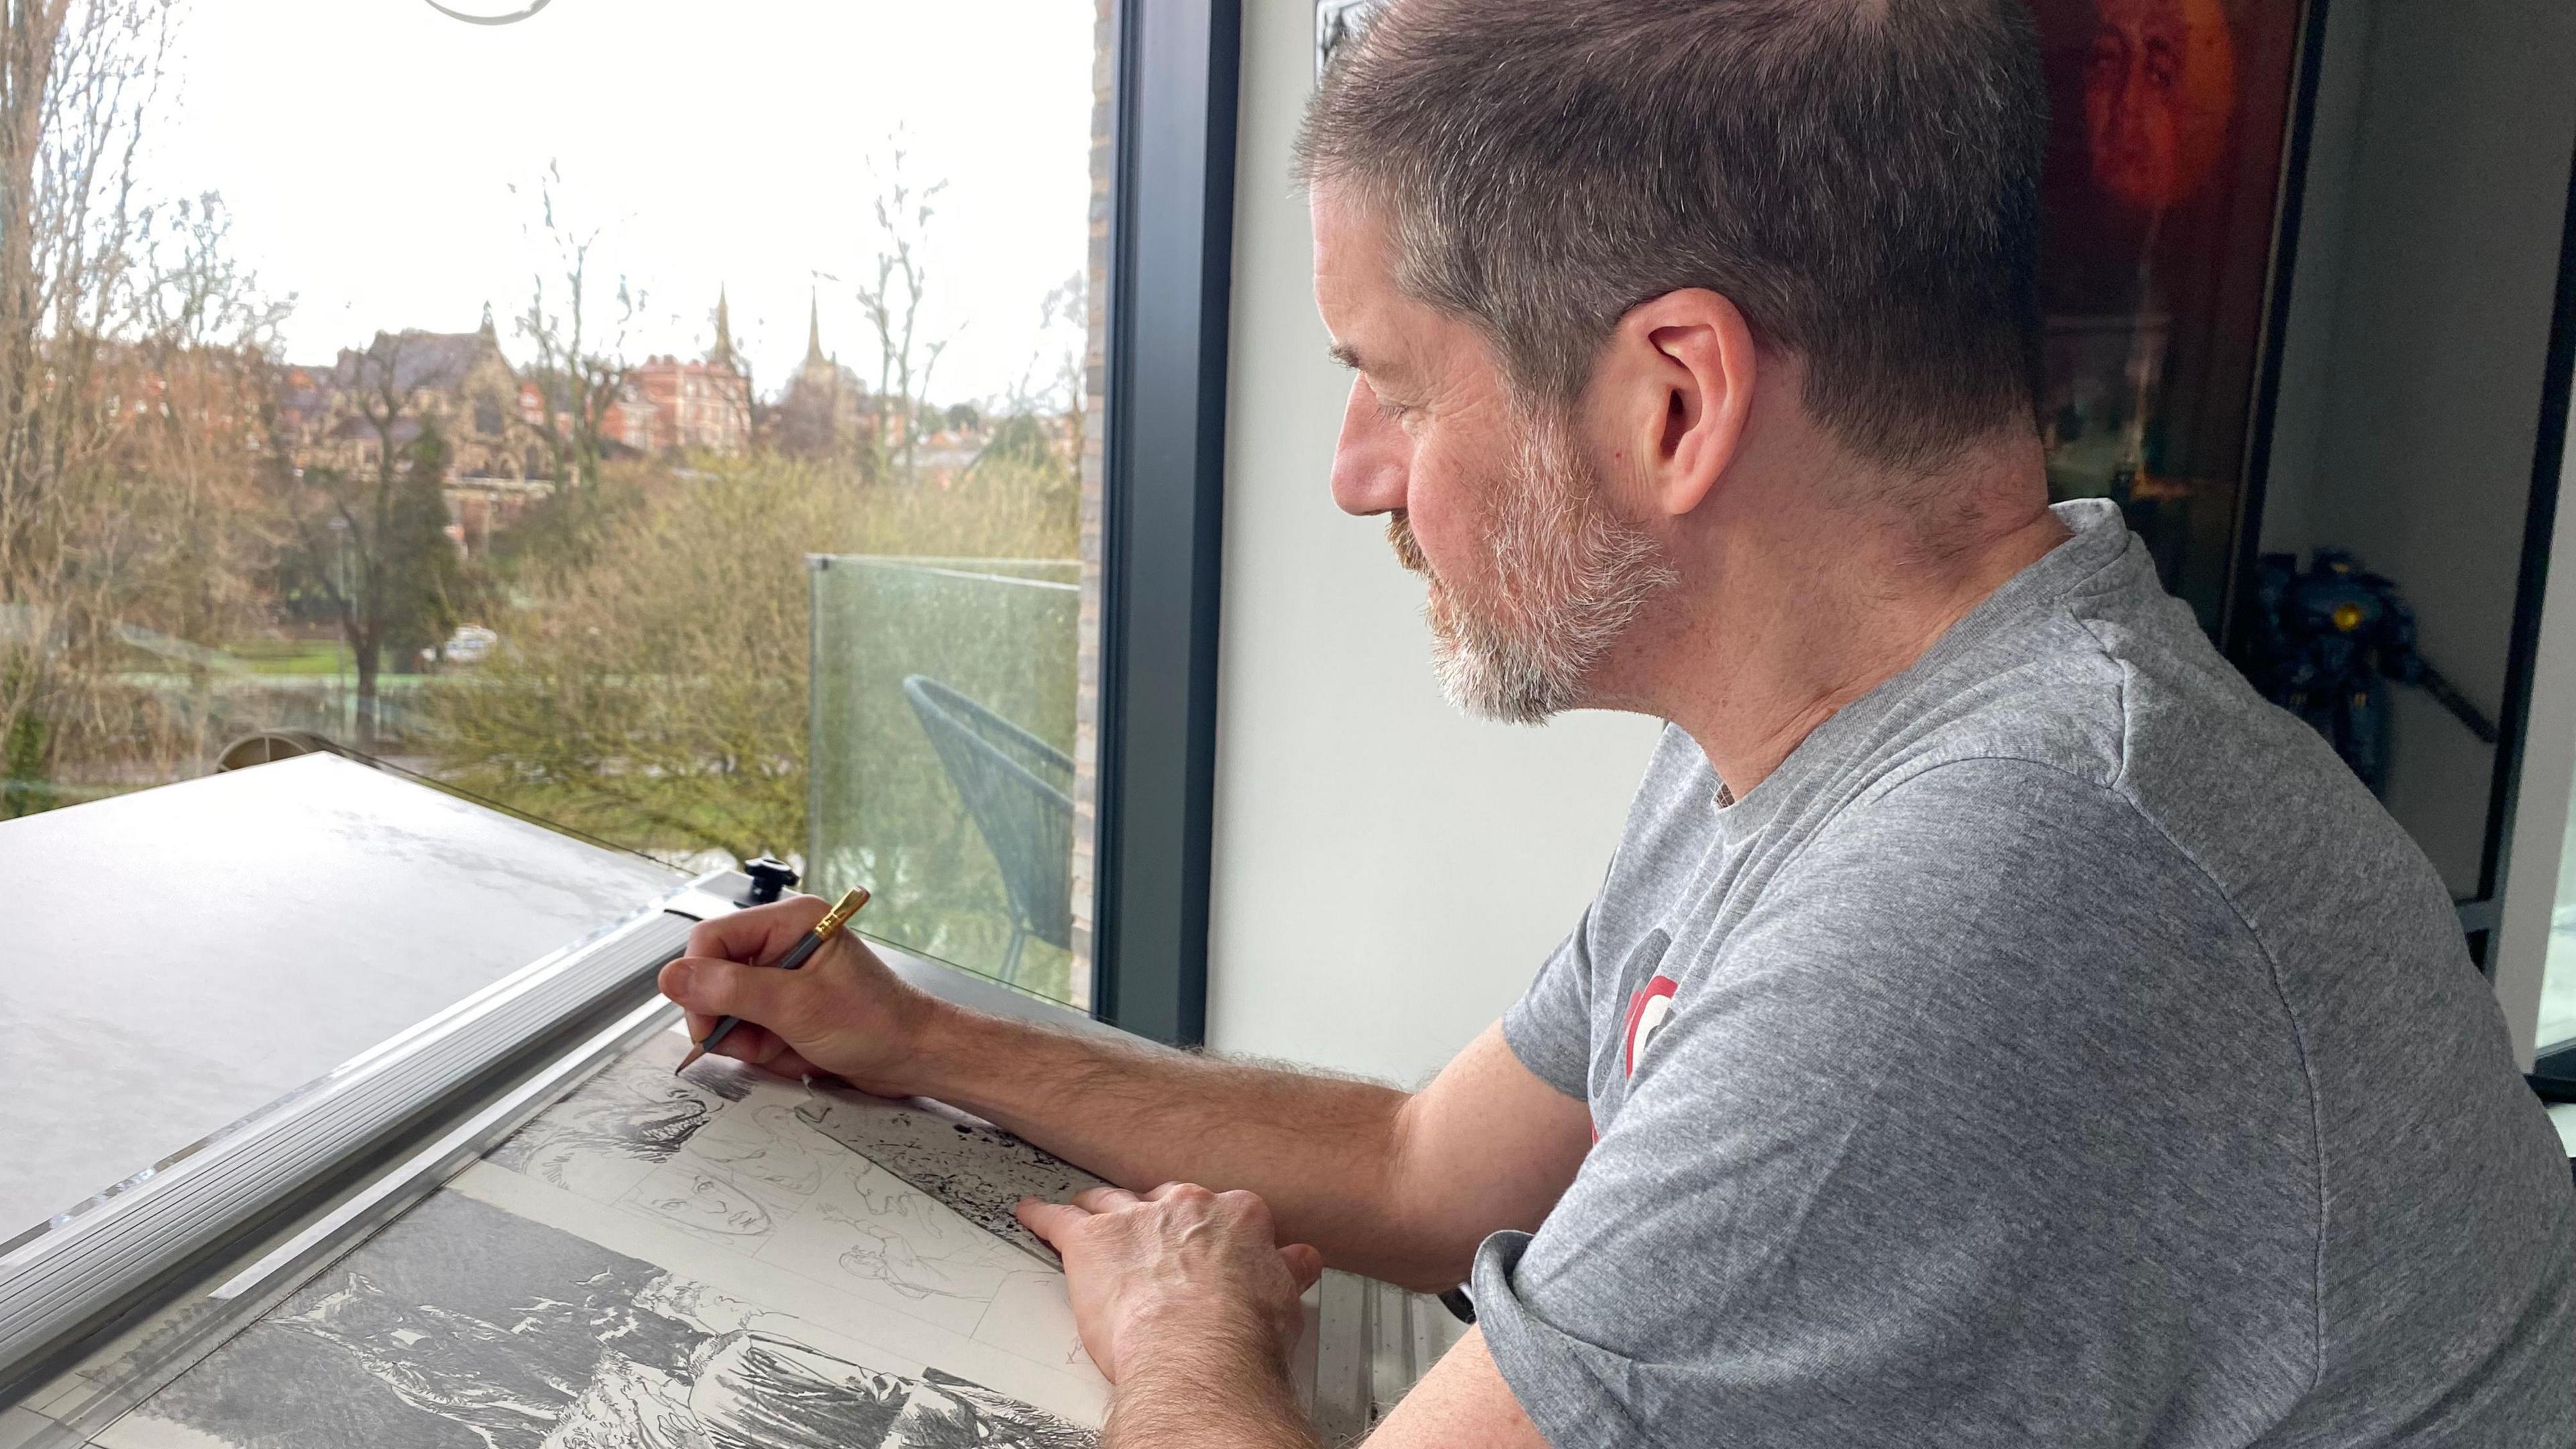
x=842, y=1013
x=1396, y=1187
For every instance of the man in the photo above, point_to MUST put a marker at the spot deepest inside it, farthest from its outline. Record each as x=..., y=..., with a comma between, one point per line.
x=1997, y=1027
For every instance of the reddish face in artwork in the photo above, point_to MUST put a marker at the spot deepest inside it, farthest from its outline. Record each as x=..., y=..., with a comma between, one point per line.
x=2159, y=88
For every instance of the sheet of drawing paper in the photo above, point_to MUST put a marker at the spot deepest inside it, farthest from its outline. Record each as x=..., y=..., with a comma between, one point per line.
x=979, y=1171
x=658, y=1263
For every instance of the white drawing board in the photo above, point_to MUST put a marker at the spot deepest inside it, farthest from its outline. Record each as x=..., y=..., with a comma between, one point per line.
x=175, y=959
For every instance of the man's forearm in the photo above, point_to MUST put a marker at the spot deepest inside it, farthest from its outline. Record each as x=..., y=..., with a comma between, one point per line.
x=1321, y=1150
x=1214, y=1396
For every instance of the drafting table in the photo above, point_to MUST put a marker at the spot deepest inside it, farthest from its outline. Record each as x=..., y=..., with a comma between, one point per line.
x=515, y=1168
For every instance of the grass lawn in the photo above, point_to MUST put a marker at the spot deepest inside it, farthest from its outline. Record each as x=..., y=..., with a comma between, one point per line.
x=290, y=656
x=667, y=818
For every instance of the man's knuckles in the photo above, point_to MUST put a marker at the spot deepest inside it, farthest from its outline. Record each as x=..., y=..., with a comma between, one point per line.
x=729, y=937
x=1245, y=1208
x=775, y=999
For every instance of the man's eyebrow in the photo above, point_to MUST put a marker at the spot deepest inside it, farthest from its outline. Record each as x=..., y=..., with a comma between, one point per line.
x=1348, y=356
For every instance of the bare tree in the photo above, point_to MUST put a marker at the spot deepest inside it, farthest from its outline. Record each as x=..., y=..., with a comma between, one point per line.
x=189, y=553
x=580, y=367
x=75, y=83
x=891, y=300
x=1037, y=423
x=77, y=78
x=376, y=547
x=1068, y=307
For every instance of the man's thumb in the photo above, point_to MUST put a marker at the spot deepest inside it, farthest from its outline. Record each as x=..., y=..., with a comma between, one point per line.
x=1305, y=1264
x=711, y=987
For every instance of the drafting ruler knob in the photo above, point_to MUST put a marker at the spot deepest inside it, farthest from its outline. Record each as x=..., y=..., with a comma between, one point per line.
x=769, y=876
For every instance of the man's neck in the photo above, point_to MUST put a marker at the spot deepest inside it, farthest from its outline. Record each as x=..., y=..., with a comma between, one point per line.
x=1795, y=621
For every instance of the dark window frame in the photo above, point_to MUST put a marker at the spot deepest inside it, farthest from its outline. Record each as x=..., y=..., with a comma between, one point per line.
x=1171, y=263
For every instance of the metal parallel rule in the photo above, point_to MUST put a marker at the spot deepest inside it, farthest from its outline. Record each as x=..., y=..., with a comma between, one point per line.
x=61, y=1287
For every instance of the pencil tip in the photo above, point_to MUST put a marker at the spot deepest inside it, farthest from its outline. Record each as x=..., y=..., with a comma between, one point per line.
x=695, y=1052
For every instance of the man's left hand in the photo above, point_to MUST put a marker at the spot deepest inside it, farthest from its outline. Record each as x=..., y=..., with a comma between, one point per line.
x=1180, y=1277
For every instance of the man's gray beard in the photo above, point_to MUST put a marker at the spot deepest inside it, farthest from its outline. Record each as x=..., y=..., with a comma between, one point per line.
x=1570, y=578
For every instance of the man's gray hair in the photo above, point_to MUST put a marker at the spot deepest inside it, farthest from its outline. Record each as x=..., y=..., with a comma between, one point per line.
x=1859, y=177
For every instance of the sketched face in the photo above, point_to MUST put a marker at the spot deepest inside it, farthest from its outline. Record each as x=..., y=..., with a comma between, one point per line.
x=775, y=1156
x=710, y=1205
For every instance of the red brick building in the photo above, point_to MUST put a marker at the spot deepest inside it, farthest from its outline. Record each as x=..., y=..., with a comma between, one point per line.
x=686, y=406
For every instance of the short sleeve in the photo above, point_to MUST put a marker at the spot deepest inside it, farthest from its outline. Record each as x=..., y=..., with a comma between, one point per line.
x=1550, y=1027
x=1904, y=1164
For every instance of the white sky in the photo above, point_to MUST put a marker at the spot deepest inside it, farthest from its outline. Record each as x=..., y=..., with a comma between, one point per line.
x=366, y=149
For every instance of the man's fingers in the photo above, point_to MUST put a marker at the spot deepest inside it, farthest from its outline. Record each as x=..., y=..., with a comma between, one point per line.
x=1305, y=1264
x=1049, y=1220
x=1105, y=1199
x=710, y=987
x=757, y=1046
x=760, y=934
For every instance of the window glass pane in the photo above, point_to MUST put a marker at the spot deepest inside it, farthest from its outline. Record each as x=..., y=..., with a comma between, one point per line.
x=2558, y=989
x=945, y=719
x=474, y=397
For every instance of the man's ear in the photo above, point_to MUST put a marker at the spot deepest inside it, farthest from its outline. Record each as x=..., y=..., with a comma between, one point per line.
x=1684, y=364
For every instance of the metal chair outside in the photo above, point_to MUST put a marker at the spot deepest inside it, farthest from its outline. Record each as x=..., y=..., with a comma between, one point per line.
x=1017, y=789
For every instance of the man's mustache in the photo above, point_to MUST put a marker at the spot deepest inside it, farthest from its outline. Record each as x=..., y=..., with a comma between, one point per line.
x=1408, y=552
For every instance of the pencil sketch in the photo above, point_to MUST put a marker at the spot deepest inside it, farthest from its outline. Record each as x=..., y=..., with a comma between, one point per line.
x=768, y=1144
x=977, y=1171
x=727, y=1153
x=782, y=1172
x=462, y=1326
x=883, y=1252
x=697, y=1199
x=604, y=1138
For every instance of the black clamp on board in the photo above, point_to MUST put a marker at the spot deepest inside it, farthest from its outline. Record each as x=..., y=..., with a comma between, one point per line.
x=769, y=877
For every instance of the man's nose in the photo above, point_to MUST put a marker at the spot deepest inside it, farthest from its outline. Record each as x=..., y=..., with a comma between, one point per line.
x=1370, y=462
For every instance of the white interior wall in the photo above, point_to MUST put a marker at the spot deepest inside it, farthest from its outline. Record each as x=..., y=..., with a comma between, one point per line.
x=1387, y=873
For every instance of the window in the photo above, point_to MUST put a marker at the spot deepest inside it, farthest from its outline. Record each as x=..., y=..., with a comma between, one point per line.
x=2558, y=991
x=695, y=427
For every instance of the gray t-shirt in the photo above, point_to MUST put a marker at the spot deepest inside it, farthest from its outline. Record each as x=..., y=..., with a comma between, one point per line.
x=2062, y=1048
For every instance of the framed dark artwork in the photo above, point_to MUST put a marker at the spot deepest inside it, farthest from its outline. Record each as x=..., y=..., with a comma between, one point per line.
x=2171, y=159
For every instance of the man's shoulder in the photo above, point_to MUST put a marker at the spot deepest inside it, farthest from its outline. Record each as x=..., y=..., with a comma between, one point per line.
x=2115, y=702
x=2000, y=845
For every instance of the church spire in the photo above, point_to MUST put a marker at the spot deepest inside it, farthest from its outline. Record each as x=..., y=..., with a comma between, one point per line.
x=723, y=350
x=814, y=334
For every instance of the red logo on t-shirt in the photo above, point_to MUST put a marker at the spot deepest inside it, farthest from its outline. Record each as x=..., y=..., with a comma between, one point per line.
x=1647, y=1012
